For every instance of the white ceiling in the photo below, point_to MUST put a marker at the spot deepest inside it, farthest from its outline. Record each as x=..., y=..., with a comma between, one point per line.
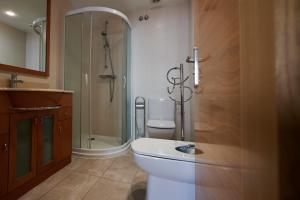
x=26, y=10
x=124, y=6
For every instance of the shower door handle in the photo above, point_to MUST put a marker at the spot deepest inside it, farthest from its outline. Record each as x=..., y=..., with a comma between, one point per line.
x=86, y=78
x=124, y=82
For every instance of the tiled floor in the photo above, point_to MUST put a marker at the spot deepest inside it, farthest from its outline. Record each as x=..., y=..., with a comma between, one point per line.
x=88, y=179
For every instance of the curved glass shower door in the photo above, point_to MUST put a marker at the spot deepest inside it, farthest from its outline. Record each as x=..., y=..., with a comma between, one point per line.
x=97, y=69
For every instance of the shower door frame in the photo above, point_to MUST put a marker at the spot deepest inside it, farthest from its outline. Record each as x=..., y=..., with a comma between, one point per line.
x=128, y=72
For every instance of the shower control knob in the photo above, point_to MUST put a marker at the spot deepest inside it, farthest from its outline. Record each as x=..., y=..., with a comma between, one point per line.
x=146, y=17
x=141, y=18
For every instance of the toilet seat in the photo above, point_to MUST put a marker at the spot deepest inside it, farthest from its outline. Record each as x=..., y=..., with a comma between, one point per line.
x=163, y=124
x=164, y=149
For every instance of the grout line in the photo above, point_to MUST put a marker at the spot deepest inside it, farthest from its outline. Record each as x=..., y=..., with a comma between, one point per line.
x=98, y=178
x=56, y=183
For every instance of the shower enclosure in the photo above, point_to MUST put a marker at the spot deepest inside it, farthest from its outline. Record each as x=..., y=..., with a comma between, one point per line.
x=97, y=68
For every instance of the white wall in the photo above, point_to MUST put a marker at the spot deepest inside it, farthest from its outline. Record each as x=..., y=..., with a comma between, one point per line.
x=160, y=43
x=12, y=45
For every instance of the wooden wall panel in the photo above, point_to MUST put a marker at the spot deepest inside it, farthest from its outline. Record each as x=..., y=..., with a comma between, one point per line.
x=217, y=100
x=287, y=32
x=258, y=102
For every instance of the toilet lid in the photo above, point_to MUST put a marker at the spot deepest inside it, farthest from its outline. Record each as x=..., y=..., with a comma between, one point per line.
x=161, y=149
x=161, y=124
x=213, y=154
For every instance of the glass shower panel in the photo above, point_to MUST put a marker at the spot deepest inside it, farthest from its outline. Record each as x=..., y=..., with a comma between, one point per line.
x=86, y=81
x=107, y=80
x=125, y=109
x=73, y=70
x=96, y=68
x=128, y=83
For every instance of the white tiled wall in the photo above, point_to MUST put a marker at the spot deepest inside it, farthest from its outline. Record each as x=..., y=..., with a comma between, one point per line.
x=158, y=44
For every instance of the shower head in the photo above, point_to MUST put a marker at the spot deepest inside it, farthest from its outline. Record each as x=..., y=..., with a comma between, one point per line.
x=103, y=33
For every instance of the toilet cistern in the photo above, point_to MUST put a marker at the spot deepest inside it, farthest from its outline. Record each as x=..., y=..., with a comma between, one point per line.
x=161, y=119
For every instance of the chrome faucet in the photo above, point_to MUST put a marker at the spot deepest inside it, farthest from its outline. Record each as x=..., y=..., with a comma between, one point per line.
x=14, y=80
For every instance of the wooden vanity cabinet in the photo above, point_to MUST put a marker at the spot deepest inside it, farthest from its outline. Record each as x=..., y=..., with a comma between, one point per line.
x=4, y=163
x=36, y=143
x=4, y=143
x=47, y=140
x=65, y=141
x=22, y=148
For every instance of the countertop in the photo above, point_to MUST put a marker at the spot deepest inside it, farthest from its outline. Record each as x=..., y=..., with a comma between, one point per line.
x=34, y=90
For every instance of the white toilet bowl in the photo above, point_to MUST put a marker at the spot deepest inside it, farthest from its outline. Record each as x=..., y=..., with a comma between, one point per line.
x=171, y=173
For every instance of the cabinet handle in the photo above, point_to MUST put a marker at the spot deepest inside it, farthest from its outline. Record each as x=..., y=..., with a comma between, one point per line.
x=5, y=148
x=38, y=108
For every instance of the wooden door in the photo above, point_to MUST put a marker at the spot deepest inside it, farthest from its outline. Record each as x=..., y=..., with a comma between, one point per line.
x=217, y=98
x=22, y=148
x=270, y=72
x=3, y=163
x=47, y=139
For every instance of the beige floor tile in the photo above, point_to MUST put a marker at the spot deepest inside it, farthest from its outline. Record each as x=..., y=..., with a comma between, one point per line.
x=129, y=153
x=106, y=189
x=123, y=181
x=123, y=169
x=44, y=187
x=74, y=187
x=76, y=163
x=140, y=177
x=139, y=186
x=95, y=167
x=124, y=161
x=121, y=174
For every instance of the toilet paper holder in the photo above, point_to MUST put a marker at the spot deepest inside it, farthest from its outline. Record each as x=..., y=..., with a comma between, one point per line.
x=140, y=106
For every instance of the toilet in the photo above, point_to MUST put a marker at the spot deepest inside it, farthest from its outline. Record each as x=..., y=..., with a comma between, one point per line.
x=171, y=173
x=161, y=119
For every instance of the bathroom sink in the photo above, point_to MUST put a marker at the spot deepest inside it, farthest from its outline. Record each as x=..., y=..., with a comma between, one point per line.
x=189, y=149
x=34, y=98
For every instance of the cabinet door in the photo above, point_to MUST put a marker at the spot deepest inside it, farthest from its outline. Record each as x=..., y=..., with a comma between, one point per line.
x=22, y=148
x=65, y=139
x=3, y=163
x=47, y=140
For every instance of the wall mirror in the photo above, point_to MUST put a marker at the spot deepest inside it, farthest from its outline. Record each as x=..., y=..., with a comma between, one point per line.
x=25, y=36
